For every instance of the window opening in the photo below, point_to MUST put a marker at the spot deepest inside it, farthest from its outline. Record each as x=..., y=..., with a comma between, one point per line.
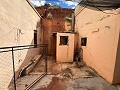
x=83, y=41
x=35, y=38
x=63, y=40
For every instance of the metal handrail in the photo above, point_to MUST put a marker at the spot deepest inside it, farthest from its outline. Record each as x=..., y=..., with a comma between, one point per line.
x=22, y=47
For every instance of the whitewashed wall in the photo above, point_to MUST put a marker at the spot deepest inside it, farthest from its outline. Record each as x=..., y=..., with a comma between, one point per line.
x=18, y=21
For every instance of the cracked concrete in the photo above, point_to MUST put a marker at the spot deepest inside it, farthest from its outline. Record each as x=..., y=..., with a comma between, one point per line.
x=64, y=76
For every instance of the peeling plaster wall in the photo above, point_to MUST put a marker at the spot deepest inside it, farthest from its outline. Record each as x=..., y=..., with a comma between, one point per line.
x=18, y=21
x=55, y=24
x=102, y=32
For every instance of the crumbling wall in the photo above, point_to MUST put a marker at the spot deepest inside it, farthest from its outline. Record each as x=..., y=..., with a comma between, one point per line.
x=101, y=30
x=18, y=21
x=54, y=24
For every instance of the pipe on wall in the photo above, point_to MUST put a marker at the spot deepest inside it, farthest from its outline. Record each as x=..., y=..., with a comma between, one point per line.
x=73, y=22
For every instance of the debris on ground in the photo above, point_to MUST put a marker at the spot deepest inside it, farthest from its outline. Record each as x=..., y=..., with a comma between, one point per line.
x=67, y=73
x=79, y=64
x=64, y=76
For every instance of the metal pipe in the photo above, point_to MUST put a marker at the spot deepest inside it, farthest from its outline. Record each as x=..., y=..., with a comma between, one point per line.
x=34, y=82
x=31, y=85
x=23, y=46
x=32, y=46
x=13, y=69
x=73, y=22
x=46, y=53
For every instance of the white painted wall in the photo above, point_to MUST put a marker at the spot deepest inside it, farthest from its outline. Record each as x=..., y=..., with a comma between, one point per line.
x=18, y=21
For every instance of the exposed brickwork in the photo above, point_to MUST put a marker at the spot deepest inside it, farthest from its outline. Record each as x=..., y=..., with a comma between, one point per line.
x=55, y=24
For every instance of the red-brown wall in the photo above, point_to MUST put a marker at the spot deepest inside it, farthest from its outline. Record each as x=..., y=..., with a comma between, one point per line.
x=55, y=24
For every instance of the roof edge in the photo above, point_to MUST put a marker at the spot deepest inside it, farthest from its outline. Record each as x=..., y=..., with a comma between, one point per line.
x=34, y=8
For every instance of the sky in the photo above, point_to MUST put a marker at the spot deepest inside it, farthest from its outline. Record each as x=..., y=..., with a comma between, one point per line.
x=62, y=3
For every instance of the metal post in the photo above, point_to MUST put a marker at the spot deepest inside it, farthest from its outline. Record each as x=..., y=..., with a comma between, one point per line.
x=46, y=49
x=73, y=22
x=13, y=69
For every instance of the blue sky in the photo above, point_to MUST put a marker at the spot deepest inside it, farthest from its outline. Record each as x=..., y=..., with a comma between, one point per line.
x=62, y=3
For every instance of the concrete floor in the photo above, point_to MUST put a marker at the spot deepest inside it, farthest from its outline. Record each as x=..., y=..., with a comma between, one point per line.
x=64, y=76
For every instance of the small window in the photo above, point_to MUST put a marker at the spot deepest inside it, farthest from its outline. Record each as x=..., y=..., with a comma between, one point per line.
x=63, y=40
x=83, y=41
x=35, y=38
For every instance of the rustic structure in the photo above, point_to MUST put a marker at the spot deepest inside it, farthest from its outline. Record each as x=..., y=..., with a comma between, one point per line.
x=53, y=20
x=99, y=35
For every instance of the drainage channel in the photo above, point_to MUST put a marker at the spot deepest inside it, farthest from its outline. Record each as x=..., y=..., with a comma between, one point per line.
x=34, y=82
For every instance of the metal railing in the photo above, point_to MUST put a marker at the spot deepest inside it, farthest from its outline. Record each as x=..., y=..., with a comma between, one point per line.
x=11, y=50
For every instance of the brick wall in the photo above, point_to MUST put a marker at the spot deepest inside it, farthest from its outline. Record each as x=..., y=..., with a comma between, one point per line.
x=55, y=24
